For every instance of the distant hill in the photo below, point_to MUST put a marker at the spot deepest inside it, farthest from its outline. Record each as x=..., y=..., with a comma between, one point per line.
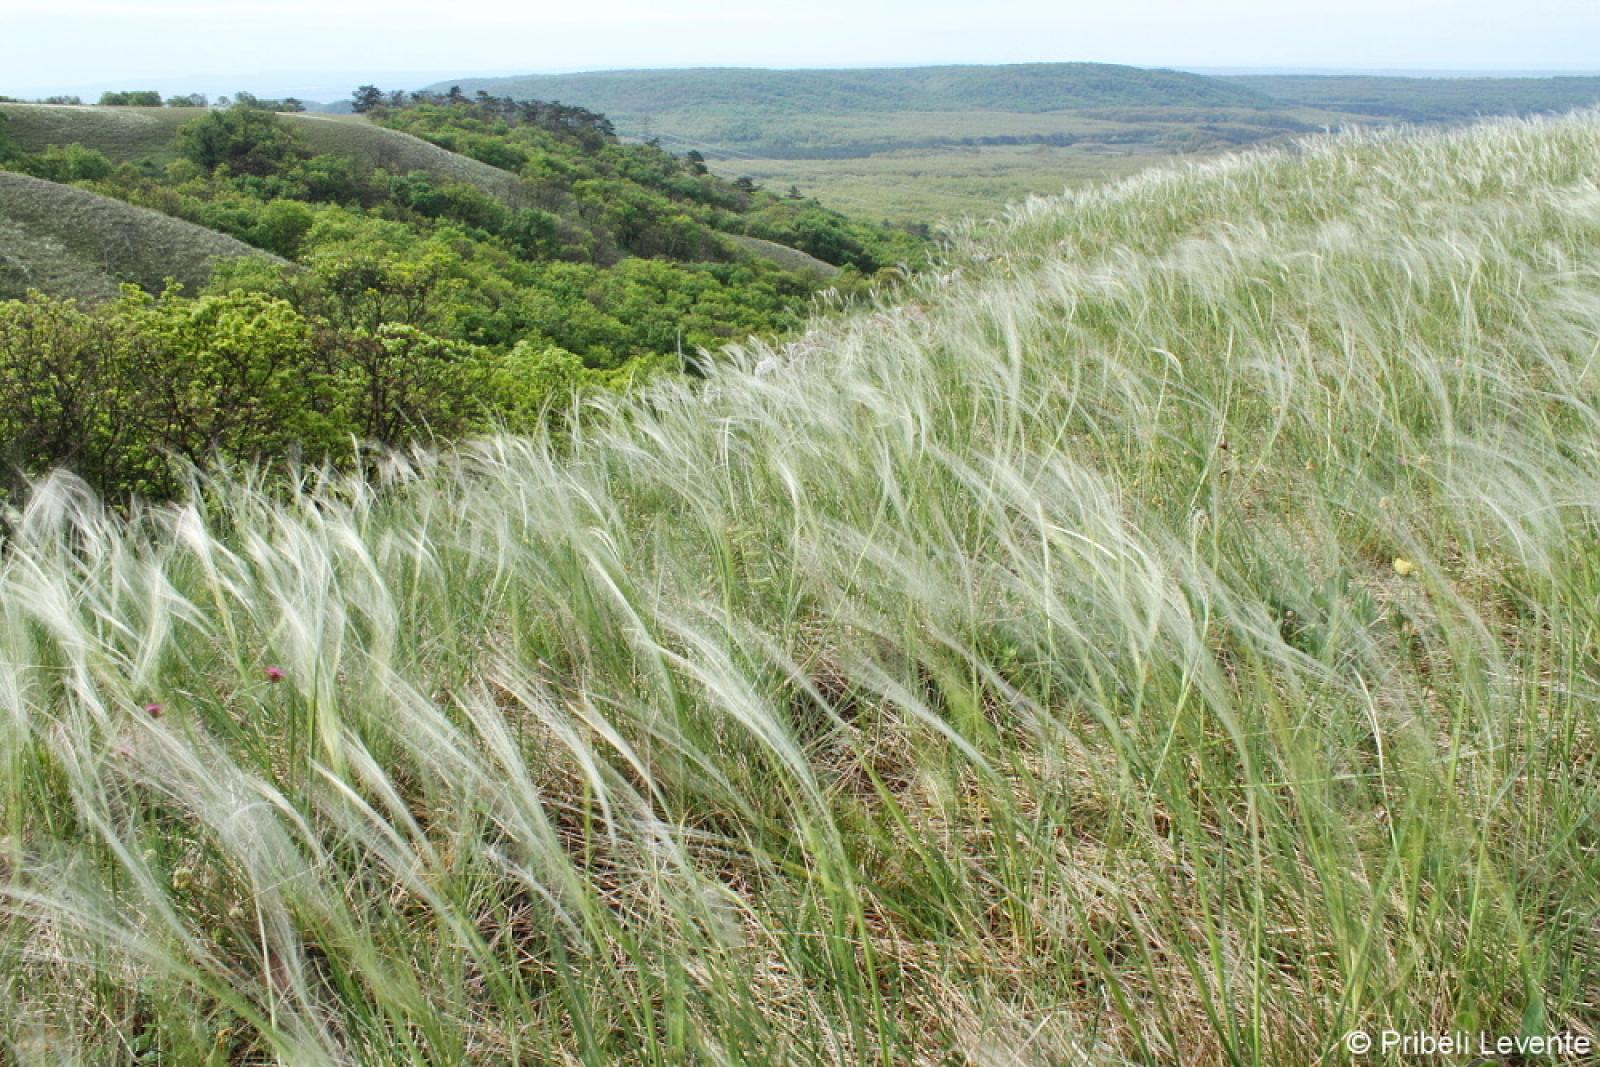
x=1425, y=99
x=919, y=144
x=1030, y=87
x=733, y=114
x=72, y=242
x=729, y=113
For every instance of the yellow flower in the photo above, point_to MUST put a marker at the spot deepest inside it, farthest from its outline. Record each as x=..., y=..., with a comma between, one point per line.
x=1403, y=566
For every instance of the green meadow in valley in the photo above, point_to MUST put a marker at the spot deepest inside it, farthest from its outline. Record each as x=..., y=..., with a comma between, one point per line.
x=1163, y=631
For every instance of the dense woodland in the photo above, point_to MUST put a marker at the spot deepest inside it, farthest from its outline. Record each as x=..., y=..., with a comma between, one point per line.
x=400, y=304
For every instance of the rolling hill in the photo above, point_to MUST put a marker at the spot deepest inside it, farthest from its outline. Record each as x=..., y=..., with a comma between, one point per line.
x=1164, y=634
x=71, y=242
x=130, y=134
x=123, y=134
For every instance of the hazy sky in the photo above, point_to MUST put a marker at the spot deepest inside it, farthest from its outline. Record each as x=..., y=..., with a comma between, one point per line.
x=57, y=45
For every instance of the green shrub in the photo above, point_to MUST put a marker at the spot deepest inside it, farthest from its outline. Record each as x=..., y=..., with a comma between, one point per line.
x=69, y=163
x=328, y=178
x=244, y=139
x=532, y=380
x=281, y=227
x=136, y=98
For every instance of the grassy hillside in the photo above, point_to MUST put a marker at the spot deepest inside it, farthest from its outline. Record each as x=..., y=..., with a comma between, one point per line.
x=399, y=152
x=79, y=244
x=784, y=256
x=134, y=134
x=1166, y=637
x=124, y=134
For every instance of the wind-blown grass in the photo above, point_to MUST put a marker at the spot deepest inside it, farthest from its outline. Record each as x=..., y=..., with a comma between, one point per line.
x=1023, y=674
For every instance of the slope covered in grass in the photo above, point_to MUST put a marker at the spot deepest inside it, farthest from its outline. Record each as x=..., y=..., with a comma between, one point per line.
x=401, y=153
x=71, y=242
x=1168, y=636
x=123, y=134
x=132, y=134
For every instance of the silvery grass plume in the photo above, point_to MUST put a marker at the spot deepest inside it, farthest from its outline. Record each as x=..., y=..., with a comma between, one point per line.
x=1169, y=635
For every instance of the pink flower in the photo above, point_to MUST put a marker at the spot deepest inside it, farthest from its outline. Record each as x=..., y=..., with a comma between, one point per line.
x=274, y=674
x=154, y=710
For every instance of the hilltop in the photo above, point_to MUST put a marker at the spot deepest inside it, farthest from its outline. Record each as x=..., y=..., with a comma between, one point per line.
x=1163, y=634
